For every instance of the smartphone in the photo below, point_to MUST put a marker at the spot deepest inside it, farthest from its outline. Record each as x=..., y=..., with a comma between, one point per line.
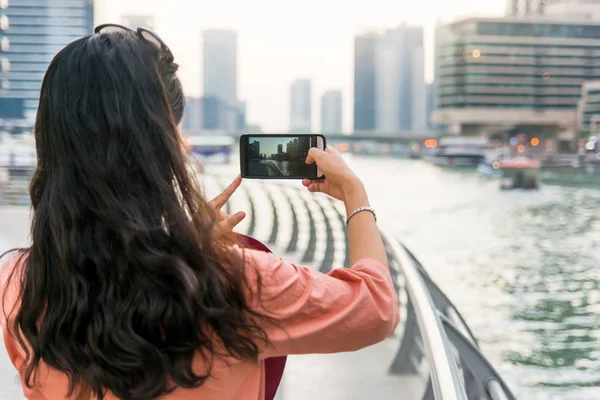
x=279, y=156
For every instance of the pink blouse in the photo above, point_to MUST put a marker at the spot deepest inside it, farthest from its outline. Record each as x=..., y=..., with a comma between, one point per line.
x=344, y=310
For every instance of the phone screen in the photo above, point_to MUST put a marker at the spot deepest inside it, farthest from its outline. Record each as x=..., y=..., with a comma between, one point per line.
x=278, y=156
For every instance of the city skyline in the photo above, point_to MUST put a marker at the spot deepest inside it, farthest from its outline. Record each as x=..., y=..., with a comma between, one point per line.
x=268, y=63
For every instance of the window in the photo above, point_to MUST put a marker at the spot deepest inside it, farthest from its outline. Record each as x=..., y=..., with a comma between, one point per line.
x=4, y=22
x=4, y=44
x=5, y=65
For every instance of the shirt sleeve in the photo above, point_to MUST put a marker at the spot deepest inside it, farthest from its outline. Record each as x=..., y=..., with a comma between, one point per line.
x=344, y=310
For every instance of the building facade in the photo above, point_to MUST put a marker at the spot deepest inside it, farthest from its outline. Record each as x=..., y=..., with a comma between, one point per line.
x=588, y=110
x=220, y=64
x=365, y=47
x=527, y=72
x=331, y=112
x=390, y=90
x=31, y=33
x=135, y=21
x=220, y=106
x=522, y=8
x=301, y=106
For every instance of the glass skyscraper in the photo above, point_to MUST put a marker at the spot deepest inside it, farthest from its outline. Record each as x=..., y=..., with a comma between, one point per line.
x=31, y=33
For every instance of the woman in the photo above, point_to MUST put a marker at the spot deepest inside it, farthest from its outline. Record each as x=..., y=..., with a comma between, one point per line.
x=133, y=287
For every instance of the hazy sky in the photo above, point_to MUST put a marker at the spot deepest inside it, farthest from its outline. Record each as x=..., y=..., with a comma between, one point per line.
x=268, y=146
x=282, y=40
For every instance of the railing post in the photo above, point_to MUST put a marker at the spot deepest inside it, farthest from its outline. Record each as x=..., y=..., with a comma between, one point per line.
x=409, y=355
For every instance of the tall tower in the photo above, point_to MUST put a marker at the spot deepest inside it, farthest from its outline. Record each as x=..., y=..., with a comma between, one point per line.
x=220, y=65
x=31, y=33
x=526, y=7
x=331, y=112
x=365, y=46
x=301, y=106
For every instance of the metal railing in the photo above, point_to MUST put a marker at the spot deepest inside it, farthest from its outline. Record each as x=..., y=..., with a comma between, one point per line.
x=435, y=329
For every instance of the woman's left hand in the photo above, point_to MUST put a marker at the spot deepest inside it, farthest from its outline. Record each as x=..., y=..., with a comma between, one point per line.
x=227, y=222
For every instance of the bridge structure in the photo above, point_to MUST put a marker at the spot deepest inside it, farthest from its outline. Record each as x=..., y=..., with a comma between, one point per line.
x=339, y=137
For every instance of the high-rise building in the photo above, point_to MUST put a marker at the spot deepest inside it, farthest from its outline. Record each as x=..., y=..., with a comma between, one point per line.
x=365, y=46
x=31, y=33
x=522, y=8
x=220, y=64
x=431, y=104
x=138, y=21
x=525, y=73
x=192, y=117
x=301, y=106
x=390, y=91
x=331, y=112
x=581, y=10
x=220, y=81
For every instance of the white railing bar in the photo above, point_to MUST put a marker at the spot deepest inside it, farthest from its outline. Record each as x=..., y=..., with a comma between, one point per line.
x=444, y=370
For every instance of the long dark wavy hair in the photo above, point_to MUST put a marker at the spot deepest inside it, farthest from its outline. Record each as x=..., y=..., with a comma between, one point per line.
x=126, y=279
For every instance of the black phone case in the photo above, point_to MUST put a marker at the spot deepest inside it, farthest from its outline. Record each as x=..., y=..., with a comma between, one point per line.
x=244, y=164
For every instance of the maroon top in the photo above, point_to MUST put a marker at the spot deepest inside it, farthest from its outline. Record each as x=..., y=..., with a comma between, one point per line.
x=273, y=366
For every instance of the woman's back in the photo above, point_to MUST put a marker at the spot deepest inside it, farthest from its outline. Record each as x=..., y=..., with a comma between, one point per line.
x=132, y=286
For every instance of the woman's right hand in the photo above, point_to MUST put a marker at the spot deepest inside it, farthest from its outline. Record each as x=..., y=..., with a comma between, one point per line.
x=339, y=182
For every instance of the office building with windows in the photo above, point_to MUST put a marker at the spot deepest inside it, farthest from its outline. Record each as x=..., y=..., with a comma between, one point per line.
x=331, y=112
x=301, y=106
x=31, y=33
x=518, y=72
x=588, y=110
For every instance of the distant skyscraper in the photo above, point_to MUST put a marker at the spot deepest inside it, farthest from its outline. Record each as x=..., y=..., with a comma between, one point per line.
x=301, y=106
x=135, y=21
x=526, y=7
x=31, y=33
x=331, y=112
x=192, y=118
x=364, y=81
x=400, y=81
x=220, y=65
x=431, y=103
x=220, y=81
x=390, y=94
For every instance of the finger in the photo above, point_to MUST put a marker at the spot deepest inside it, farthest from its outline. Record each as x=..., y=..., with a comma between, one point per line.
x=316, y=187
x=222, y=216
x=314, y=155
x=222, y=198
x=231, y=222
x=331, y=150
x=306, y=182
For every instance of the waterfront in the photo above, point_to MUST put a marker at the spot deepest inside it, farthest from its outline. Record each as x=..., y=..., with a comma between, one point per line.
x=522, y=267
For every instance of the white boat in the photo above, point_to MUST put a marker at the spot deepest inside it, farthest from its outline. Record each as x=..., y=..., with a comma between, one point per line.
x=211, y=149
x=460, y=151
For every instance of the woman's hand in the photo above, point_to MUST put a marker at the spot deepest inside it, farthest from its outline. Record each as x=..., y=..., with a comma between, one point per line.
x=340, y=181
x=227, y=222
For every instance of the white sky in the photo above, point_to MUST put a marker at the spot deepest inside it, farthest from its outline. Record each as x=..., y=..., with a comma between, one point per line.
x=281, y=40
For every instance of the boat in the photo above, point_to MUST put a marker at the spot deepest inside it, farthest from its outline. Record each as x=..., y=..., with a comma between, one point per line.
x=519, y=173
x=460, y=151
x=211, y=149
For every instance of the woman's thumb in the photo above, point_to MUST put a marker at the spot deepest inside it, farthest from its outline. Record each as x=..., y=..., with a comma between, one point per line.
x=314, y=155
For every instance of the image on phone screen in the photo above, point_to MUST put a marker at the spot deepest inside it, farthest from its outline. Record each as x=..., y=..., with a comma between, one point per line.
x=278, y=156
